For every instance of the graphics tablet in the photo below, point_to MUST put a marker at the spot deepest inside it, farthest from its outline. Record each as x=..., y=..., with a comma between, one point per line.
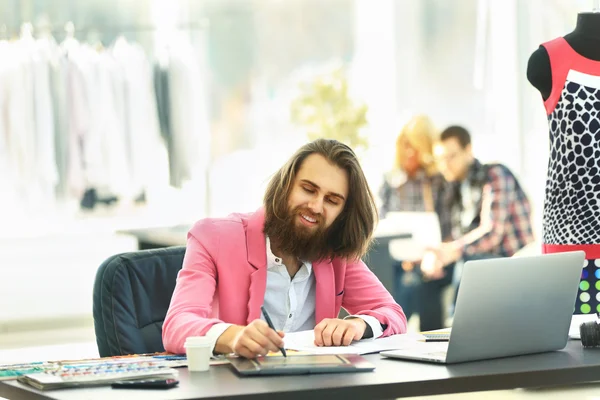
x=301, y=364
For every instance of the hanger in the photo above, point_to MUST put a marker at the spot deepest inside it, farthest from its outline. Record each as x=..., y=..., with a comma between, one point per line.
x=43, y=27
x=69, y=41
x=27, y=31
x=93, y=38
x=70, y=30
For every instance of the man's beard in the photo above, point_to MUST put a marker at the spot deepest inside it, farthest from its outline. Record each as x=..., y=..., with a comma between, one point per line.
x=294, y=239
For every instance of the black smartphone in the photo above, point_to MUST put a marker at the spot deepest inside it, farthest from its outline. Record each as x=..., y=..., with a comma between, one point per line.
x=146, y=384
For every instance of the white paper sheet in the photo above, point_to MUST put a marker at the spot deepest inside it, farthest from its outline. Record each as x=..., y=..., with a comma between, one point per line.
x=304, y=341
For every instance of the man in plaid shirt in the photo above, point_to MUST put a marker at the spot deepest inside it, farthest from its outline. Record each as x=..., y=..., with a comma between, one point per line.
x=486, y=212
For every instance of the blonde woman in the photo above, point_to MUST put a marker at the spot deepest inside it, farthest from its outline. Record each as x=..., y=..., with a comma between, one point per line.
x=414, y=184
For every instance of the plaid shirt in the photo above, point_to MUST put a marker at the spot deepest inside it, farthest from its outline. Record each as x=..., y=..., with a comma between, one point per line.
x=501, y=223
x=399, y=193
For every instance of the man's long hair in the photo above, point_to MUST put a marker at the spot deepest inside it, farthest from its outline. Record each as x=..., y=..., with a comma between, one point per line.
x=350, y=234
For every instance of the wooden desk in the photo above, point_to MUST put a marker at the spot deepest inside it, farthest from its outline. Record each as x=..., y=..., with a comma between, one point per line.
x=391, y=379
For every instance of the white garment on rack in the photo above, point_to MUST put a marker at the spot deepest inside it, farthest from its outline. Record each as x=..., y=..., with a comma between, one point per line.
x=90, y=134
x=142, y=127
x=116, y=157
x=6, y=177
x=103, y=145
x=189, y=121
x=58, y=64
x=78, y=118
x=21, y=136
x=46, y=172
x=74, y=117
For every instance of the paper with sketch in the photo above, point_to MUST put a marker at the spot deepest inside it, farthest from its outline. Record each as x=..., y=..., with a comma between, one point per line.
x=304, y=341
x=578, y=320
x=425, y=230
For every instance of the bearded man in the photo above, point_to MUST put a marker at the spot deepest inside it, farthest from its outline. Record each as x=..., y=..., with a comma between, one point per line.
x=299, y=256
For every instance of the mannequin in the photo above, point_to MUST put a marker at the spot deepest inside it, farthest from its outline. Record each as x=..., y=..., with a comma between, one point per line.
x=585, y=40
x=566, y=72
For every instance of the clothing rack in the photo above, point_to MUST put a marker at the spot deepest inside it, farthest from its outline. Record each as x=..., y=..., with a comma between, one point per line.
x=70, y=30
x=108, y=158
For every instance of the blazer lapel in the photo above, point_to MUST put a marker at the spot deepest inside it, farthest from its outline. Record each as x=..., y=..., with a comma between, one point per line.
x=325, y=291
x=257, y=257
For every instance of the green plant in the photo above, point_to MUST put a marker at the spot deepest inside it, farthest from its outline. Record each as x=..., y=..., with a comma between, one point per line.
x=325, y=109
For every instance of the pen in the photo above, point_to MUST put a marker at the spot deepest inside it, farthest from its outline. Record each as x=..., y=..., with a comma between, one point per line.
x=270, y=323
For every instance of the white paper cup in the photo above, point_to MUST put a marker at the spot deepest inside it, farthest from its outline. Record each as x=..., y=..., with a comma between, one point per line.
x=198, y=350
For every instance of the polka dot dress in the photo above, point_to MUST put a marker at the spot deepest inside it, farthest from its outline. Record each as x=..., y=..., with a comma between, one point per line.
x=572, y=198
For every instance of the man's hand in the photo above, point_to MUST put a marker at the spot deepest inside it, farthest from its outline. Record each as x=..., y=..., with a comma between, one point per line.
x=435, y=259
x=250, y=341
x=450, y=252
x=432, y=267
x=339, y=332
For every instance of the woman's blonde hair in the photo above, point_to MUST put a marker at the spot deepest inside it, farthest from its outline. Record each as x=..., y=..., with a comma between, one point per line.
x=420, y=133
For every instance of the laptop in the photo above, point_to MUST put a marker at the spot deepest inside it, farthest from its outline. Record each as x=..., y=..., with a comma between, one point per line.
x=507, y=307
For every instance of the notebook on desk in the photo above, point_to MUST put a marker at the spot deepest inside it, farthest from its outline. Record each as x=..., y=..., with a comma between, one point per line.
x=438, y=335
x=507, y=307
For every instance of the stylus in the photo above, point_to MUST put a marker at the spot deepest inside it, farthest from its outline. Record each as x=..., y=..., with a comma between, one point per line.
x=270, y=323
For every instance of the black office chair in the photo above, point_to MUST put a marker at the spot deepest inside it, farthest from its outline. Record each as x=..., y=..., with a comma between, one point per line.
x=132, y=292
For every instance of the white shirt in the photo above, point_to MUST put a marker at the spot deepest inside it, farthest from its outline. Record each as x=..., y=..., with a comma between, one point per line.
x=469, y=198
x=290, y=302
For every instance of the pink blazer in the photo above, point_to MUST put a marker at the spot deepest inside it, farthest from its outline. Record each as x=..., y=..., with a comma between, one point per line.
x=224, y=276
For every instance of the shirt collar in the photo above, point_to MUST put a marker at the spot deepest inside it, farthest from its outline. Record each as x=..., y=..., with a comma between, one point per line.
x=273, y=261
x=476, y=174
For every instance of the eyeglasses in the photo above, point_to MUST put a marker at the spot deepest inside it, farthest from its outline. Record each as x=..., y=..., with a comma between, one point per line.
x=446, y=158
